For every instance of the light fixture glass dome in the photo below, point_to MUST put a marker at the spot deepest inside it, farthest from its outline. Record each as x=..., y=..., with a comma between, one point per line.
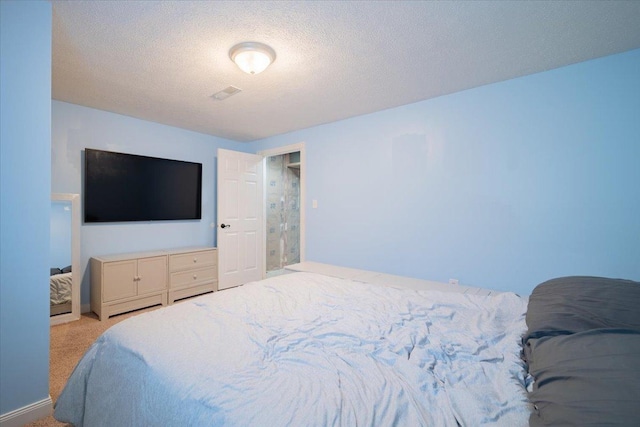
x=252, y=57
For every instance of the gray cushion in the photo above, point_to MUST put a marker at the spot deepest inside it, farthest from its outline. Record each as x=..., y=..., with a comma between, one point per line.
x=578, y=303
x=586, y=379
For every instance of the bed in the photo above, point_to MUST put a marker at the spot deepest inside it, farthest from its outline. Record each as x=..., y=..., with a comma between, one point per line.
x=313, y=350
x=60, y=291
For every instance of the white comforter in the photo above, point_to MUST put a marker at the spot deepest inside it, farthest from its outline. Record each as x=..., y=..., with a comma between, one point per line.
x=308, y=350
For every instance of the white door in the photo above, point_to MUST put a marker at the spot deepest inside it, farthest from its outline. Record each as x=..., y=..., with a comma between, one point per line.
x=240, y=224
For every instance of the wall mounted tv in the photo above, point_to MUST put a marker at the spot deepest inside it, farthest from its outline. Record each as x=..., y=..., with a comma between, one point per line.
x=122, y=187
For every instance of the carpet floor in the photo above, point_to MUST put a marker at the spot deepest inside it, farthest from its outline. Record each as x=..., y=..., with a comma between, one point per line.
x=68, y=343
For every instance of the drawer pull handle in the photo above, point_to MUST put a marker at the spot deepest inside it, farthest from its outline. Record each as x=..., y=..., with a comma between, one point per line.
x=195, y=260
x=195, y=277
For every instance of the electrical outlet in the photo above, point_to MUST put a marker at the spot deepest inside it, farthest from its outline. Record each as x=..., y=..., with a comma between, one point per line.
x=453, y=281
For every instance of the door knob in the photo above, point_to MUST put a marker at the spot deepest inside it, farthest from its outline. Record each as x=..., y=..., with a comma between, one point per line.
x=225, y=225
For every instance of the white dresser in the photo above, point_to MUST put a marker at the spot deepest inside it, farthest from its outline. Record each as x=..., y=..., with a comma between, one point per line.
x=126, y=282
x=192, y=273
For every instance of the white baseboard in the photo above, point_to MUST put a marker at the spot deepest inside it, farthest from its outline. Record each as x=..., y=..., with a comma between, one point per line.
x=85, y=308
x=27, y=414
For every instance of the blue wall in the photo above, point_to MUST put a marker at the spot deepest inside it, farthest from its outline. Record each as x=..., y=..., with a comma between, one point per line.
x=25, y=174
x=75, y=128
x=502, y=186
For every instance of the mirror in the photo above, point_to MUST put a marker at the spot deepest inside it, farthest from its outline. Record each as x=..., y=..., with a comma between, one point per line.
x=64, y=249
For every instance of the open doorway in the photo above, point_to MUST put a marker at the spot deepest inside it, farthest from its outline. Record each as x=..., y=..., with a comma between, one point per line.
x=284, y=208
x=282, y=173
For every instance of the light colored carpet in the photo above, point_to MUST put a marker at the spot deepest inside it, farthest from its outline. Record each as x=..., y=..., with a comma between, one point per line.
x=68, y=344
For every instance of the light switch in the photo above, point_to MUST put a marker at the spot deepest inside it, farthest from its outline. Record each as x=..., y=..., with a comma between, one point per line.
x=314, y=204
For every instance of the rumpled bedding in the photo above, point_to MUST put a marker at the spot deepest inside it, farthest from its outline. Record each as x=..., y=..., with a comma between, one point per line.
x=60, y=288
x=308, y=350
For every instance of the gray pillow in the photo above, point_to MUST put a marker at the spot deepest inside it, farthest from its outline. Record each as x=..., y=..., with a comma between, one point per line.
x=578, y=303
x=54, y=271
x=586, y=379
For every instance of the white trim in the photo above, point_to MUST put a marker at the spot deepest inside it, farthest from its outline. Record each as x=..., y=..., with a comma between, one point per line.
x=300, y=146
x=292, y=148
x=27, y=414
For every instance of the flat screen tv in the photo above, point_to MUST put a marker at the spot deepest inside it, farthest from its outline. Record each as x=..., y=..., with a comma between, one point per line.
x=122, y=187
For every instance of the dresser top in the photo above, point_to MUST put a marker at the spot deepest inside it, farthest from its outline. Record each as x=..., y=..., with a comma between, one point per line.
x=148, y=254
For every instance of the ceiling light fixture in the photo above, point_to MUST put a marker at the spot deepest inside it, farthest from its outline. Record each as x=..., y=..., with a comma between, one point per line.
x=252, y=57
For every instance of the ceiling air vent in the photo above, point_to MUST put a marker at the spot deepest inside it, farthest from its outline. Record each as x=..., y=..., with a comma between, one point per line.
x=225, y=93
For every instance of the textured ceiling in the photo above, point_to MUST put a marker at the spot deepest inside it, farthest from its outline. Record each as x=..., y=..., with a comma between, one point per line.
x=162, y=61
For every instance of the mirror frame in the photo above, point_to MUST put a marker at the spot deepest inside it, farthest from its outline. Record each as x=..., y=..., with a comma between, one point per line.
x=75, y=258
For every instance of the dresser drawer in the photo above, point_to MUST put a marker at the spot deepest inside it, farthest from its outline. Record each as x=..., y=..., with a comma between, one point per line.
x=193, y=277
x=192, y=260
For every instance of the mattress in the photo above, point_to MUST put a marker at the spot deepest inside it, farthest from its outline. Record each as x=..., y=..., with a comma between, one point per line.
x=308, y=349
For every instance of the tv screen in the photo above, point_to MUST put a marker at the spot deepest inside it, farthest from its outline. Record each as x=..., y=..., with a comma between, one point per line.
x=126, y=187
